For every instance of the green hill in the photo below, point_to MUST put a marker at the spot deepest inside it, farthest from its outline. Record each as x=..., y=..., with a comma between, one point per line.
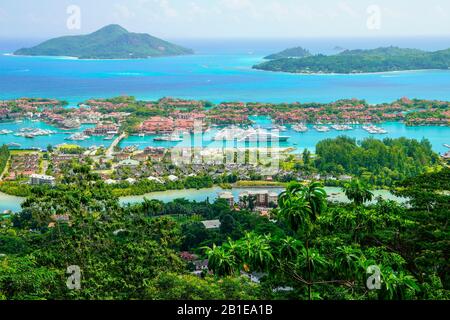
x=363, y=61
x=297, y=52
x=110, y=42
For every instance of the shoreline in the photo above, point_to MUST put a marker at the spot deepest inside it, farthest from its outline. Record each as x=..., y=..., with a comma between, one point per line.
x=92, y=59
x=351, y=73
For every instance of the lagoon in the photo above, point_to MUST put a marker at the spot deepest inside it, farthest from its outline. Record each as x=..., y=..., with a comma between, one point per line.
x=334, y=194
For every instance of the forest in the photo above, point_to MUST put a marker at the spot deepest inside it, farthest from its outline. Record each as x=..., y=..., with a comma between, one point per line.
x=307, y=249
x=362, y=61
x=378, y=162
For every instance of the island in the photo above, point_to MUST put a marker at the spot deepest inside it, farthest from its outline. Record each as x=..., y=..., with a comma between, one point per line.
x=297, y=52
x=384, y=59
x=110, y=42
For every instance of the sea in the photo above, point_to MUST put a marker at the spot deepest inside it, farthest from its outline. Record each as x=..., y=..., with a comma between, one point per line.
x=221, y=70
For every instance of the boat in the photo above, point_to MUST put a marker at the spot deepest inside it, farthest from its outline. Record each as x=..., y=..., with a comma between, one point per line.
x=5, y=131
x=300, y=128
x=374, y=130
x=248, y=135
x=79, y=136
x=279, y=128
x=339, y=127
x=322, y=128
x=110, y=137
x=447, y=145
x=169, y=137
x=13, y=144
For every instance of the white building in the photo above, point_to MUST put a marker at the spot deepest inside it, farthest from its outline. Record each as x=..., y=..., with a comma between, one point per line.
x=41, y=179
x=228, y=196
x=211, y=224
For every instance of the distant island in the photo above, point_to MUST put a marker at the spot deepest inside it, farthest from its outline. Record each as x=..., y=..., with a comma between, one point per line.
x=362, y=61
x=297, y=52
x=110, y=42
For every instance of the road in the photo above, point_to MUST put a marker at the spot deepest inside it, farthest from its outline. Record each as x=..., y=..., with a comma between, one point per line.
x=116, y=142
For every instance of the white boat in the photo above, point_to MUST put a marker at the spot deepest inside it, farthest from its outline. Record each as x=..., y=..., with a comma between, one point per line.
x=300, y=128
x=322, y=128
x=248, y=135
x=170, y=137
x=341, y=127
x=447, y=145
x=79, y=136
x=374, y=130
x=13, y=144
x=5, y=131
x=279, y=128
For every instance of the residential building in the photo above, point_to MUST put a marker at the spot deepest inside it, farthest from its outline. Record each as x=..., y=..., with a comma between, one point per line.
x=40, y=179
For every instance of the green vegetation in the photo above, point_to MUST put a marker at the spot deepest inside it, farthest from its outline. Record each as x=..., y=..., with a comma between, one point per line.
x=317, y=250
x=374, y=161
x=146, y=186
x=4, y=157
x=360, y=61
x=327, y=252
x=110, y=42
x=297, y=52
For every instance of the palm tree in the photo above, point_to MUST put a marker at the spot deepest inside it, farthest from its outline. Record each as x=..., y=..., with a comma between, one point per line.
x=358, y=192
x=221, y=260
x=300, y=207
x=249, y=202
x=255, y=251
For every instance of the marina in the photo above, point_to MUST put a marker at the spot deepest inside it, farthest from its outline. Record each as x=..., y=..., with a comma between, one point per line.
x=298, y=136
x=248, y=135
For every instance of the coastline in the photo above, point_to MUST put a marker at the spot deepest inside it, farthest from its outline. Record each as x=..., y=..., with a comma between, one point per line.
x=351, y=73
x=93, y=59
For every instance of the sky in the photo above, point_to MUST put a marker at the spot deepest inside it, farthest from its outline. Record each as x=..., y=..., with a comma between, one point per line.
x=227, y=18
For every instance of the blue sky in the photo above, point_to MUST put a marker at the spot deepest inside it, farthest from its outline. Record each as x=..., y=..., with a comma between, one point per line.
x=230, y=18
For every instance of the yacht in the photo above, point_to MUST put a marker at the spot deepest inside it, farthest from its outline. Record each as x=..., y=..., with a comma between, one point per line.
x=374, y=130
x=341, y=127
x=322, y=128
x=169, y=137
x=13, y=144
x=248, y=135
x=79, y=136
x=300, y=128
x=5, y=131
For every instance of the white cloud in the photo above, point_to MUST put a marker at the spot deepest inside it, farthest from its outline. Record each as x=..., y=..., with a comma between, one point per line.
x=123, y=11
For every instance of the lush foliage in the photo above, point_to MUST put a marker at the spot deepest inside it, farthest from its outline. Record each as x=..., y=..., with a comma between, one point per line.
x=374, y=161
x=358, y=61
x=309, y=250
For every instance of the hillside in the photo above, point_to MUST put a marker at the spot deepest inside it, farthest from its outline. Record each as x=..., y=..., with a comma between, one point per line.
x=363, y=61
x=110, y=42
x=297, y=52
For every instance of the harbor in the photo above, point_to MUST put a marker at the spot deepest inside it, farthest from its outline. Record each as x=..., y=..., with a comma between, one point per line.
x=299, y=136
